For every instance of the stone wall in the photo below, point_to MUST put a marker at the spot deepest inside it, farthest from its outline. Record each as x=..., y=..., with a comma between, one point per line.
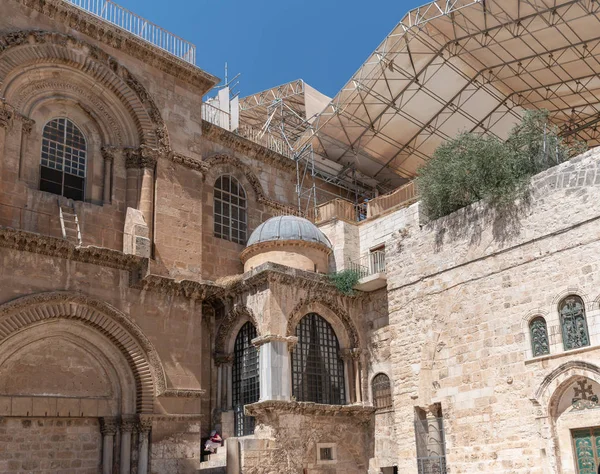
x=50, y=445
x=462, y=291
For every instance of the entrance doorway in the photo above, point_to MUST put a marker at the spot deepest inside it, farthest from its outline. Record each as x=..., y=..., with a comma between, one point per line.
x=586, y=444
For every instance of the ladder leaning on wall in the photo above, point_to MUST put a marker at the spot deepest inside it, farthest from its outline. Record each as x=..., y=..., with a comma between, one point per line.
x=69, y=223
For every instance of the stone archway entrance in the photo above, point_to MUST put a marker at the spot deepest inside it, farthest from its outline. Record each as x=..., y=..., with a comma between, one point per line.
x=69, y=390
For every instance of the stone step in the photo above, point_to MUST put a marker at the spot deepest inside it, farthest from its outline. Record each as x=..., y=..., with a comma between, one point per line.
x=212, y=470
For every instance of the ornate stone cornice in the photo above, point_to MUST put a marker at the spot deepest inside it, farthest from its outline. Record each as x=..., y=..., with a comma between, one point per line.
x=190, y=289
x=142, y=157
x=119, y=39
x=259, y=341
x=189, y=162
x=247, y=147
x=265, y=410
x=109, y=425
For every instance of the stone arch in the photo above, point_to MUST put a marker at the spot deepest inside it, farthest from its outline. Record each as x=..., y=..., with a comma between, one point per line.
x=230, y=327
x=334, y=313
x=33, y=47
x=128, y=338
x=215, y=167
x=572, y=291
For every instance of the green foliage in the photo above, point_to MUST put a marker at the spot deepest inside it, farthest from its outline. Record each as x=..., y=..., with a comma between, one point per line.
x=472, y=167
x=345, y=280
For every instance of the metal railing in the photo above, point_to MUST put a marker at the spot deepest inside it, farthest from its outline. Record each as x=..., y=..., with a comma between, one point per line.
x=336, y=208
x=369, y=264
x=402, y=196
x=216, y=116
x=115, y=14
x=267, y=140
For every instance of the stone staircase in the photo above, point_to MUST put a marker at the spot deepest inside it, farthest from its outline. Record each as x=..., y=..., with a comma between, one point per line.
x=215, y=463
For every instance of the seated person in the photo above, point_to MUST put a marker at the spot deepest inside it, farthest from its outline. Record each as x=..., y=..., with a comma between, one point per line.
x=213, y=442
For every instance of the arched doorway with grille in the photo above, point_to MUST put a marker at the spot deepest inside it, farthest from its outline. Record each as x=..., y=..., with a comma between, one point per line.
x=246, y=385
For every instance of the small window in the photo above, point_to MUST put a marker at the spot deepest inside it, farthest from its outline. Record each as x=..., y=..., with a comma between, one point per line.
x=63, y=159
x=539, y=337
x=230, y=220
x=573, y=323
x=326, y=453
x=382, y=391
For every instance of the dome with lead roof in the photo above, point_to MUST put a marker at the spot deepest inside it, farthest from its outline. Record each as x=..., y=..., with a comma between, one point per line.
x=282, y=228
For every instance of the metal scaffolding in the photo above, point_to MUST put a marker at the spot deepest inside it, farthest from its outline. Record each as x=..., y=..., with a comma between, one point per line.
x=464, y=65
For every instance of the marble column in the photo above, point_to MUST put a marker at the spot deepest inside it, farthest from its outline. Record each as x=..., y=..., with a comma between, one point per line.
x=144, y=427
x=274, y=366
x=109, y=157
x=108, y=428
x=224, y=363
x=6, y=118
x=127, y=425
x=357, y=374
x=346, y=356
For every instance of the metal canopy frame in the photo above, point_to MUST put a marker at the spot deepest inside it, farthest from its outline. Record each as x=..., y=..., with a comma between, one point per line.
x=463, y=65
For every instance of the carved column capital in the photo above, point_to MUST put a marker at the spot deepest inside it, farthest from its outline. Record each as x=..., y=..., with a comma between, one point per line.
x=223, y=359
x=108, y=153
x=142, y=157
x=144, y=424
x=6, y=114
x=128, y=423
x=109, y=425
x=27, y=125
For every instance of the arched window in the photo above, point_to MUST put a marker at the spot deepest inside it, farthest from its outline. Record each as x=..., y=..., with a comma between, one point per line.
x=382, y=391
x=317, y=368
x=230, y=210
x=246, y=388
x=63, y=163
x=573, y=323
x=539, y=337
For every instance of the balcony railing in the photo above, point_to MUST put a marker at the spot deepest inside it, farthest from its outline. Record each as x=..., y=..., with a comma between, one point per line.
x=115, y=14
x=369, y=264
x=216, y=116
x=402, y=196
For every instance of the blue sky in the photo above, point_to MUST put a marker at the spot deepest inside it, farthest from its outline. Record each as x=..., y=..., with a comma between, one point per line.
x=271, y=42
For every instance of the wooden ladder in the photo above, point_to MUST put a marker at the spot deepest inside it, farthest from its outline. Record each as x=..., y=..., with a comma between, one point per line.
x=69, y=223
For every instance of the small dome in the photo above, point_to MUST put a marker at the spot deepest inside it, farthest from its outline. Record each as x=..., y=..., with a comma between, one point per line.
x=282, y=228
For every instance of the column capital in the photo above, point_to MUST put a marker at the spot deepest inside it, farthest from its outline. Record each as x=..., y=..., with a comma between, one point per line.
x=27, y=125
x=109, y=425
x=259, y=341
x=144, y=424
x=6, y=114
x=142, y=157
x=128, y=423
x=223, y=359
x=109, y=153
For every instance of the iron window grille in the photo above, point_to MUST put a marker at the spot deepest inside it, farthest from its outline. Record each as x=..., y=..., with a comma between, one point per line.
x=431, y=445
x=63, y=159
x=382, y=391
x=317, y=368
x=573, y=323
x=246, y=385
x=230, y=216
x=326, y=454
x=538, y=330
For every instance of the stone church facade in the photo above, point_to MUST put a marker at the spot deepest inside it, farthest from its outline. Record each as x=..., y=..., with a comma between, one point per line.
x=156, y=284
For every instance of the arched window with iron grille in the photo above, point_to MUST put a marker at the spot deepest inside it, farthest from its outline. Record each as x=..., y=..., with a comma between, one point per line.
x=573, y=323
x=63, y=159
x=317, y=368
x=230, y=220
x=246, y=388
x=382, y=391
x=539, y=337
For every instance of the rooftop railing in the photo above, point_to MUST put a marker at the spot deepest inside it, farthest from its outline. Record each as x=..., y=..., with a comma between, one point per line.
x=115, y=14
x=369, y=264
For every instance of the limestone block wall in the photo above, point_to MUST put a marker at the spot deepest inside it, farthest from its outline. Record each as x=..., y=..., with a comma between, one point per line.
x=462, y=291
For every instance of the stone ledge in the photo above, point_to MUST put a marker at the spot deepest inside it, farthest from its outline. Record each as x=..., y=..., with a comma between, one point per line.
x=264, y=409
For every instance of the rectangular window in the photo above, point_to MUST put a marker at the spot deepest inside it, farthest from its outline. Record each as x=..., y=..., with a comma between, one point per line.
x=586, y=445
x=326, y=453
x=431, y=442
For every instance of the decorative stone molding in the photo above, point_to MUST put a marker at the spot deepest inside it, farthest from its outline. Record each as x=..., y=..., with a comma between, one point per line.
x=189, y=162
x=224, y=333
x=101, y=71
x=247, y=147
x=27, y=125
x=6, y=114
x=142, y=157
x=117, y=38
x=128, y=423
x=260, y=247
x=259, y=341
x=109, y=425
x=264, y=410
x=223, y=359
x=190, y=289
x=116, y=326
x=183, y=393
x=109, y=153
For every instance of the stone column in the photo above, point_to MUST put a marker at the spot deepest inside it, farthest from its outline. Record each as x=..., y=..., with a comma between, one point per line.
x=274, y=366
x=224, y=363
x=127, y=426
x=346, y=355
x=108, y=428
x=26, y=129
x=109, y=157
x=144, y=427
x=6, y=118
x=357, y=374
